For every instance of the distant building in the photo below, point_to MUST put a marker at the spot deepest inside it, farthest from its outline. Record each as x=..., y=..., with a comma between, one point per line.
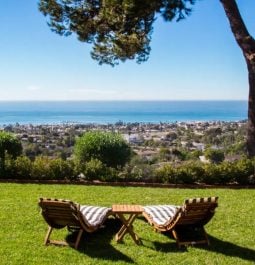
x=199, y=146
x=203, y=159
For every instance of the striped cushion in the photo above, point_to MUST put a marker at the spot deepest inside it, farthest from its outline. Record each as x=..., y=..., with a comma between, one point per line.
x=94, y=215
x=202, y=200
x=161, y=214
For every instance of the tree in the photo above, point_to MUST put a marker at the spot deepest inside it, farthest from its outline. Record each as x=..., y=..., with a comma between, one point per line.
x=247, y=44
x=9, y=144
x=121, y=29
x=118, y=29
x=214, y=155
x=110, y=148
x=165, y=153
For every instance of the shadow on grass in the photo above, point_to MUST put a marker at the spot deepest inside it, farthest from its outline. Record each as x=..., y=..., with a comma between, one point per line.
x=166, y=247
x=216, y=245
x=98, y=244
x=169, y=246
x=229, y=249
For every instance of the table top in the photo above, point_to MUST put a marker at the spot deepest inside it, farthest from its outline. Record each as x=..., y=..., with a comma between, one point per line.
x=126, y=208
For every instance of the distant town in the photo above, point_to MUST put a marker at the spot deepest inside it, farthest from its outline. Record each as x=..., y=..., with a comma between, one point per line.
x=170, y=141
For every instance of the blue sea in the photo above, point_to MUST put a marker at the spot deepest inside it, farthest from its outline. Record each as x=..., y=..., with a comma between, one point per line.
x=104, y=112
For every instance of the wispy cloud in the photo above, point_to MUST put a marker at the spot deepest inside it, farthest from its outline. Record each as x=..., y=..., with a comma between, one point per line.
x=33, y=88
x=92, y=91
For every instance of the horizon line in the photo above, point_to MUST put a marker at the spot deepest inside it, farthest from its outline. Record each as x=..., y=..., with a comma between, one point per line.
x=115, y=100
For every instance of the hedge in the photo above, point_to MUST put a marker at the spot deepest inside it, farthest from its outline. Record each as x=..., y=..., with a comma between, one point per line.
x=43, y=168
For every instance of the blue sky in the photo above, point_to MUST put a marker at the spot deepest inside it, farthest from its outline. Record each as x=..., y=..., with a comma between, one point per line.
x=196, y=58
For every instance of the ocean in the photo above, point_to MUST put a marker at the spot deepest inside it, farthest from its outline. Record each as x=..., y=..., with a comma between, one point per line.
x=104, y=112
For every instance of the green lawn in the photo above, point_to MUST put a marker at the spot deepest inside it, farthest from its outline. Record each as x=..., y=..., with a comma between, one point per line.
x=22, y=231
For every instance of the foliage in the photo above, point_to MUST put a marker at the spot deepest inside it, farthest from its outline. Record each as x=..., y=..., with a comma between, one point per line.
x=61, y=169
x=195, y=154
x=241, y=172
x=20, y=168
x=170, y=136
x=165, y=154
x=95, y=170
x=138, y=169
x=245, y=171
x=227, y=172
x=166, y=174
x=211, y=174
x=32, y=150
x=41, y=168
x=10, y=145
x=142, y=172
x=118, y=30
x=237, y=148
x=110, y=148
x=180, y=154
x=212, y=136
x=214, y=155
x=189, y=173
x=46, y=168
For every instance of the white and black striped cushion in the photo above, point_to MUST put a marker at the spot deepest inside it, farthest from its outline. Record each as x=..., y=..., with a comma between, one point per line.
x=94, y=215
x=160, y=214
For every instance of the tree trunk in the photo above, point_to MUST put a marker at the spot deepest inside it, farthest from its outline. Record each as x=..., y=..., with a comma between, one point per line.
x=251, y=110
x=2, y=164
x=247, y=45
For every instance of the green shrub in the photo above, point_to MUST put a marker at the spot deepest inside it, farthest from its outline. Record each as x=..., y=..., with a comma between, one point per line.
x=227, y=172
x=138, y=169
x=241, y=172
x=214, y=155
x=211, y=174
x=46, y=168
x=195, y=154
x=9, y=171
x=142, y=172
x=244, y=171
x=40, y=169
x=166, y=174
x=22, y=167
x=164, y=154
x=94, y=169
x=180, y=154
x=60, y=169
x=9, y=145
x=19, y=168
x=110, y=148
x=189, y=173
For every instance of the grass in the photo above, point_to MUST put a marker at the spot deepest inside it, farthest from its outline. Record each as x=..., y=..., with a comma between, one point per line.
x=22, y=231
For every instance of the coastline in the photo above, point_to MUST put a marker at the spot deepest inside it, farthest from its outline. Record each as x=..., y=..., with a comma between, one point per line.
x=145, y=138
x=111, y=112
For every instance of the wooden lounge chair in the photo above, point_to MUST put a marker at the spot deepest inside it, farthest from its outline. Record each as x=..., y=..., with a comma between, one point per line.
x=60, y=213
x=186, y=223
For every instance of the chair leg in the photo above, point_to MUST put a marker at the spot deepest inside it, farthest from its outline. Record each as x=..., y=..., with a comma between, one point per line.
x=188, y=235
x=175, y=235
x=78, y=239
x=46, y=240
x=206, y=237
x=63, y=243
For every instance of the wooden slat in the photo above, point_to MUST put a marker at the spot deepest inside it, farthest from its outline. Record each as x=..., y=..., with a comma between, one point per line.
x=127, y=208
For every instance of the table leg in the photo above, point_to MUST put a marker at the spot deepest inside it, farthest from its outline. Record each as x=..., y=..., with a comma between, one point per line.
x=127, y=228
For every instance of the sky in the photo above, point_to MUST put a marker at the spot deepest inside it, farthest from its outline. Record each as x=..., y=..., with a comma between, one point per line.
x=194, y=59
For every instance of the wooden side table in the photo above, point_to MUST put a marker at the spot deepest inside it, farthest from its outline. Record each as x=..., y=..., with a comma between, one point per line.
x=132, y=211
